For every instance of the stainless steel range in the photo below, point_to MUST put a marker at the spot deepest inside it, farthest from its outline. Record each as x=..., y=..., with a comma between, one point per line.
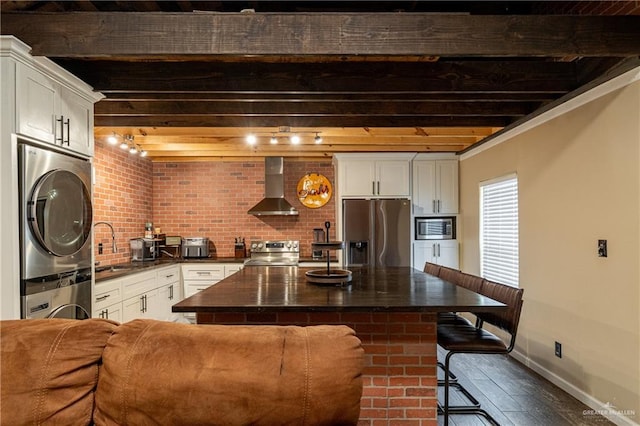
x=274, y=253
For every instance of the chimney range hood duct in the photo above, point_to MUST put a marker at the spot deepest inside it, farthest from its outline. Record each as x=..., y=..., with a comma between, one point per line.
x=273, y=203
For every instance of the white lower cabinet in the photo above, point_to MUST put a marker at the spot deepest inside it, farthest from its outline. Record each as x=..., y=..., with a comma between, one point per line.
x=198, y=277
x=440, y=252
x=148, y=294
x=108, y=300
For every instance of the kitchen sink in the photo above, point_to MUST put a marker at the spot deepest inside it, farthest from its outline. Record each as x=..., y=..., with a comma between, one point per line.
x=112, y=268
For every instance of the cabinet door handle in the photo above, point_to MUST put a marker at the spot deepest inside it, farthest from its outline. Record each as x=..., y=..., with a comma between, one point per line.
x=101, y=298
x=438, y=249
x=438, y=206
x=68, y=123
x=378, y=187
x=433, y=206
x=142, y=303
x=373, y=187
x=171, y=292
x=106, y=314
x=204, y=273
x=61, y=138
x=169, y=276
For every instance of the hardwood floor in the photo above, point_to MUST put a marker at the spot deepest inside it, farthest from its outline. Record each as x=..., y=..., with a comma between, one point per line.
x=513, y=394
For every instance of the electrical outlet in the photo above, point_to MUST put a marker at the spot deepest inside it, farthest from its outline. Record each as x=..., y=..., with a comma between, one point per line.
x=602, y=248
x=559, y=349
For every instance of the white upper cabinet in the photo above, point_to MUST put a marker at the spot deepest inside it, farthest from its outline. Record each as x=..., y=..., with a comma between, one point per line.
x=37, y=101
x=51, y=105
x=384, y=175
x=77, y=122
x=435, y=186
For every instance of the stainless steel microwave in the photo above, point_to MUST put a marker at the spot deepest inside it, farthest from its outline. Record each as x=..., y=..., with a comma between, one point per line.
x=435, y=228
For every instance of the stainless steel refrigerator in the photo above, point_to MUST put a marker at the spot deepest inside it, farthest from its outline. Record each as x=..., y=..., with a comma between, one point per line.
x=376, y=232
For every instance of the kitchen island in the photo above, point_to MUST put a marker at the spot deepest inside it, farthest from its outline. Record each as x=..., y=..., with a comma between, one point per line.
x=393, y=311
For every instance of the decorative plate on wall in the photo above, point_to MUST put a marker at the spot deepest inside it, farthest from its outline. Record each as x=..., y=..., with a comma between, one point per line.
x=314, y=190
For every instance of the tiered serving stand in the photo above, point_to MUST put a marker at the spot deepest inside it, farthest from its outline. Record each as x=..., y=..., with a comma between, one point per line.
x=328, y=276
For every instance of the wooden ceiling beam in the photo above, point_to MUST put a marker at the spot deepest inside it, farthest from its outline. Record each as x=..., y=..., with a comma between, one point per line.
x=163, y=35
x=298, y=121
x=177, y=133
x=324, y=109
x=478, y=77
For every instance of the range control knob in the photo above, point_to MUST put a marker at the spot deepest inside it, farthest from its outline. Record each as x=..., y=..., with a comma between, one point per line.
x=288, y=244
x=259, y=245
x=254, y=245
x=295, y=244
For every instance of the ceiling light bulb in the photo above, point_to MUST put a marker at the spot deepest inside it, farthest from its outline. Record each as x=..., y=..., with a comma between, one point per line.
x=251, y=139
x=133, y=150
x=124, y=145
x=273, y=140
x=295, y=139
x=317, y=139
x=113, y=139
x=143, y=153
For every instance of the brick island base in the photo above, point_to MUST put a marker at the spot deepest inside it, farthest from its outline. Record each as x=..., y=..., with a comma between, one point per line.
x=400, y=359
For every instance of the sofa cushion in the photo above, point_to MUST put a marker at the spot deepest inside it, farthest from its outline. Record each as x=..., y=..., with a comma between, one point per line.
x=166, y=373
x=50, y=369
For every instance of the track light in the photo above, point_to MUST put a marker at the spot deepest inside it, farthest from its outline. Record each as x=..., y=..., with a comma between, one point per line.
x=126, y=144
x=295, y=138
x=113, y=139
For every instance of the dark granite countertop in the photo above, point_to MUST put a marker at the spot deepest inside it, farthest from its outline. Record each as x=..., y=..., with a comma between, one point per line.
x=109, y=272
x=278, y=289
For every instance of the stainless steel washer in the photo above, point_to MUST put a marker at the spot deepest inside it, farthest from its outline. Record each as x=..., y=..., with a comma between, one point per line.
x=55, y=229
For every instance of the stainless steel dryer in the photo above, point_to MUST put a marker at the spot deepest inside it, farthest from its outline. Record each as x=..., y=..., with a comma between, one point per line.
x=55, y=225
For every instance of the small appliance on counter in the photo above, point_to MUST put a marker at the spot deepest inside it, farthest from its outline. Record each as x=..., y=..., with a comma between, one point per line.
x=143, y=249
x=194, y=247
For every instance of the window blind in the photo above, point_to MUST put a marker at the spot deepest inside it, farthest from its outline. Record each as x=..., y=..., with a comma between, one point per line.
x=499, y=231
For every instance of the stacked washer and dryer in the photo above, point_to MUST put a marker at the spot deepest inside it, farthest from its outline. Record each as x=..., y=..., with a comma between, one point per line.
x=55, y=233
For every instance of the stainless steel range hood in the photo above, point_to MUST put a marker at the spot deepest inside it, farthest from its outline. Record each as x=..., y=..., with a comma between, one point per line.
x=273, y=203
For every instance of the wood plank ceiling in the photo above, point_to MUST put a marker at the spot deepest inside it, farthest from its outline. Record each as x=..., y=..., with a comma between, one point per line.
x=190, y=79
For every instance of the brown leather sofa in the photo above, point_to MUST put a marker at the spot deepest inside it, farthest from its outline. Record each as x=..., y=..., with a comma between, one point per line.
x=96, y=371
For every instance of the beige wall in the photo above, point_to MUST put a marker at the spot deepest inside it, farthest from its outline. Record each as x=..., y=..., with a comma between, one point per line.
x=579, y=181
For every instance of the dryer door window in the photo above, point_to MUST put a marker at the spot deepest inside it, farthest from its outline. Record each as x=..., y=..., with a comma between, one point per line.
x=59, y=212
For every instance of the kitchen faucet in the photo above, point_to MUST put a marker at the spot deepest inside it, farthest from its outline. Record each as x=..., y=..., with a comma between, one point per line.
x=114, y=249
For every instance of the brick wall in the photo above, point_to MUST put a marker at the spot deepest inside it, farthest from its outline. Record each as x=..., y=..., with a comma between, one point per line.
x=122, y=196
x=211, y=199
x=208, y=199
x=400, y=360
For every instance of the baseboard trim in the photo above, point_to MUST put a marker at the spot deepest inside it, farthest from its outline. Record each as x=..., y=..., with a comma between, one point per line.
x=599, y=407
